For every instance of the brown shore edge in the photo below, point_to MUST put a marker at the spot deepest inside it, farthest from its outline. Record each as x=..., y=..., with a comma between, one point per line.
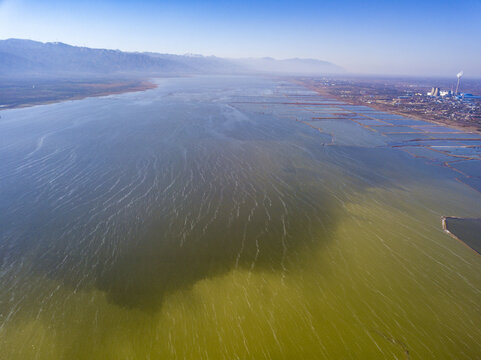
x=96, y=90
x=324, y=92
x=445, y=229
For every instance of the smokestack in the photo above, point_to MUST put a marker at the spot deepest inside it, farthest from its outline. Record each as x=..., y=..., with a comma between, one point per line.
x=459, y=75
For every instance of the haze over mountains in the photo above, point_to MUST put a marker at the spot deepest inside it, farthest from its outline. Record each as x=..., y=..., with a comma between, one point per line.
x=21, y=58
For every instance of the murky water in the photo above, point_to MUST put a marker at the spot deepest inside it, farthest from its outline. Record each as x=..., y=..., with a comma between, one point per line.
x=466, y=230
x=205, y=220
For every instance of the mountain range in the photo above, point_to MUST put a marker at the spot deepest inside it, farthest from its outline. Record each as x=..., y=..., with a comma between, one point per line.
x=26, y=58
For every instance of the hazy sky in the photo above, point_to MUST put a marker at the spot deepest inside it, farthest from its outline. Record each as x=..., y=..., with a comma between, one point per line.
x=385, y=37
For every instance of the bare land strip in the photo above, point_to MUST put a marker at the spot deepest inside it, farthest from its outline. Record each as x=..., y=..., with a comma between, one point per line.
x=407, y=97
x=30, y=92
x=454, y=147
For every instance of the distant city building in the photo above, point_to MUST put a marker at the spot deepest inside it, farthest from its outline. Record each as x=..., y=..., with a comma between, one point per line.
x=468, y=97
x=434, y=92
x=459, y=76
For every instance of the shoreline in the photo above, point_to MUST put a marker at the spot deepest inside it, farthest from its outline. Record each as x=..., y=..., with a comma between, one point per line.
x=463, y=138
x=94, y=89
x=324, y=92
x=446, y=230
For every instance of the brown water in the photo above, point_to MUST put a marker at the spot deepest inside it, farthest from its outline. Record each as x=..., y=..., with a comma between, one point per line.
x=200, y=220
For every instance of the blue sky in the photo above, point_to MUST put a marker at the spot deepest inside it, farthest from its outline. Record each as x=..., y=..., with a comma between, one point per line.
x=384, y=37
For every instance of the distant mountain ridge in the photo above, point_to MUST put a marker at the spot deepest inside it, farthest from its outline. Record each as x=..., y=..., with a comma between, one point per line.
x=23, y=58
x=295, y=65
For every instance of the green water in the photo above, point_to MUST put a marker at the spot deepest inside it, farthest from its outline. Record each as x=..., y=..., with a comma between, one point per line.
x=192, y=222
